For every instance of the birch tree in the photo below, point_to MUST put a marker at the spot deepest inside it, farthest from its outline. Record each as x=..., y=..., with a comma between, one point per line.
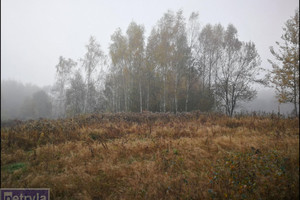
x=135, y=34
x=63, y=74
x=75, y=95
x=90, y=61
x=151, y=65
x=193, y=30
x=118, y=51
x=180, y=53
x=165, y=49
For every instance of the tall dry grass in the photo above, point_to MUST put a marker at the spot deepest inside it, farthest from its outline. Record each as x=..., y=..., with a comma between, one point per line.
x=155, y=156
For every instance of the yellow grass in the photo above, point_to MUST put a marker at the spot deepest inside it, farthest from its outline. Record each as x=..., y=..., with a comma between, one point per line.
x=154, y=156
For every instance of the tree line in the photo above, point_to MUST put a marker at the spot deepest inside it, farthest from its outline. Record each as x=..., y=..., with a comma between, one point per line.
x=180, y=67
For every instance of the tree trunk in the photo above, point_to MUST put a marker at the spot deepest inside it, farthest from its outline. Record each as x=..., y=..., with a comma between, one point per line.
x=141, y=99
x=187, y=91
x=175, y=95
x=226, y=96
x=164, y=97
x=125, y=93
x=87, y=94
x=295, y=92
x=209, y=73
x=114, y=99
x=233, y=100
x=119, y=99
x=148, y=94
x=203, y=73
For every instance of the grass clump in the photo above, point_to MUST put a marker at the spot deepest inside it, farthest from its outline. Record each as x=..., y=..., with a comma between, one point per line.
x=13, y=167
x=254, y=174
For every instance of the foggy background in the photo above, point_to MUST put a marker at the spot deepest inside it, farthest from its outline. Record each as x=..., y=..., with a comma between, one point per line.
x=35, y=33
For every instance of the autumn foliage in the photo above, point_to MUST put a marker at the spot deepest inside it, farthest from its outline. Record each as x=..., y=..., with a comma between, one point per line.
x=154, y=156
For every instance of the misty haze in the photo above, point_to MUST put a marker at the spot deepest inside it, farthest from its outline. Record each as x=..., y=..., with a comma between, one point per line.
x=151, y=99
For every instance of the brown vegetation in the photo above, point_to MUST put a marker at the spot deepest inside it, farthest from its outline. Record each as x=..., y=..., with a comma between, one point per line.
x=154, y=156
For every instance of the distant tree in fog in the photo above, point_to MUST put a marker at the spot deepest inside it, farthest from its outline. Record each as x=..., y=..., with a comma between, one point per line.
x=75, y=95
x=13, y=95
x=93, y=57
x=37, y=106
x=63, y=74
x=42, y=104
x=27, y=110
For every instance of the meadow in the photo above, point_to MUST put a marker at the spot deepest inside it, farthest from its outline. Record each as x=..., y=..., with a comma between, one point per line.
x=154, y=156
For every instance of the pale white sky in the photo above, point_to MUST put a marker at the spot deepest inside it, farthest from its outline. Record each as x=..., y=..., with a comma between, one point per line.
x=34, y=33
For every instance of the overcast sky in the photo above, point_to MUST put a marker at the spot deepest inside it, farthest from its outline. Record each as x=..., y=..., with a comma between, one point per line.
x=34, y=33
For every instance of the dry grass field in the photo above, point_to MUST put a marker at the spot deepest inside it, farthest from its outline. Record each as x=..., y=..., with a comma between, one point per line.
x=154, y=156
